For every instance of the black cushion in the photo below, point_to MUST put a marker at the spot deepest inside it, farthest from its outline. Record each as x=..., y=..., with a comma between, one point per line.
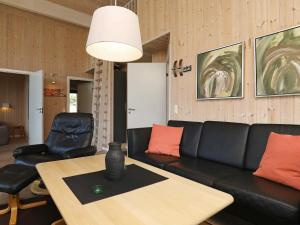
x=262, y=201
x=190, y=137
x=258, y=138
x=70, y=131
x=156, y=160
x=201, y=170
x=33, y=159
x=13, y=178
x=138, y=140
x=224, y=142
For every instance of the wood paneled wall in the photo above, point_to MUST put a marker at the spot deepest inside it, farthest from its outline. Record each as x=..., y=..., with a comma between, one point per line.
x=32, y=42
x=13, y=91
x=199, y=25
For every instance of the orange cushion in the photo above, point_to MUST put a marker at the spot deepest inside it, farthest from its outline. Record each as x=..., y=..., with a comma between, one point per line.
x=165, y=140
x=280, y=162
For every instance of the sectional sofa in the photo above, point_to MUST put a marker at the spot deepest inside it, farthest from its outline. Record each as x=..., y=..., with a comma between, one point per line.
x=224, y=155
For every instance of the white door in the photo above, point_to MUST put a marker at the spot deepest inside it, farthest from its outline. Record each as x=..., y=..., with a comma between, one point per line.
x=84, y=97
x=146, y=94
x=36, y=102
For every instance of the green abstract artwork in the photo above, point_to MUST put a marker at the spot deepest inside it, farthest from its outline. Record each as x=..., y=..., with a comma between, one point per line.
x=220, y=73
x=278, y=63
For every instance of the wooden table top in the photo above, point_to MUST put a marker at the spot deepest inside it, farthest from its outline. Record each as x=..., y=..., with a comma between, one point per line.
x=176, y=200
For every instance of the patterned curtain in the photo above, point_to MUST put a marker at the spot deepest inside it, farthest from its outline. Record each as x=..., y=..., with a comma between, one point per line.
x=102, y=104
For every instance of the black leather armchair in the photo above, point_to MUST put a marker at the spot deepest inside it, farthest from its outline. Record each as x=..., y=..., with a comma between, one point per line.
x=70, y=137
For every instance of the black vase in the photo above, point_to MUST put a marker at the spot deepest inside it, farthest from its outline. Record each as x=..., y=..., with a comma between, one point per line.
x=114, y=161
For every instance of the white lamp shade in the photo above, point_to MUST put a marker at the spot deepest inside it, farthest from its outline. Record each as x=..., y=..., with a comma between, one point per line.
x=115, y=35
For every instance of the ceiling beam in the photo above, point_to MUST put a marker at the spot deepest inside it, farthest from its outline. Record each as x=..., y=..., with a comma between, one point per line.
x=52, y=10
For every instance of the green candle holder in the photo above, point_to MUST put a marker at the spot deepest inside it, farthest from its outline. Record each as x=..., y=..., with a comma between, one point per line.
x=97, y=189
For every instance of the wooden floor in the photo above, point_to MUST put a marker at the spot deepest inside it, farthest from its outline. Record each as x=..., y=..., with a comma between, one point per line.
x=42, y=215
x=7, y=150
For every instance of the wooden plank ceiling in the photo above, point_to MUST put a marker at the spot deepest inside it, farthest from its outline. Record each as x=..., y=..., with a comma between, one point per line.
x=87, y=6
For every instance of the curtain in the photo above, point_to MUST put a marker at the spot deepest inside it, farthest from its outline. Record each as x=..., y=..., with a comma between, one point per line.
x=102, y=104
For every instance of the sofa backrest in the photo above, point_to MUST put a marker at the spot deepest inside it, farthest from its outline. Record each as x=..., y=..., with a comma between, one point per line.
x=224, y=142
x=258, y=138
x=190, y=137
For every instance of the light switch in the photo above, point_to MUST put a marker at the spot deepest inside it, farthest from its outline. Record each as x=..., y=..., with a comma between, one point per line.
x=176, y=109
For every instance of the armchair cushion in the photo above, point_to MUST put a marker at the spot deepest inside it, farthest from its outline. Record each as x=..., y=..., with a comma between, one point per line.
x=30, y=149
x=34, y=159
x=80, y=152
x=70, y=131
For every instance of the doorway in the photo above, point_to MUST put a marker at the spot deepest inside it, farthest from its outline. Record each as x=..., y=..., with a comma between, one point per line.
x=120, y=103
x=156, y=51
x=80, y=94
x=21, y=99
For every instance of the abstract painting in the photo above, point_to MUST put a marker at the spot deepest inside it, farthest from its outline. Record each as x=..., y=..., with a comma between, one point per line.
x=220, y=73
x=277, y=59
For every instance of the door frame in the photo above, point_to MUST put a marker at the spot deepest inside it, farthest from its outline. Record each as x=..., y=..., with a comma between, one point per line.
x=69, y=78
x=168, y=69
x=168, y=61
x=22, y=73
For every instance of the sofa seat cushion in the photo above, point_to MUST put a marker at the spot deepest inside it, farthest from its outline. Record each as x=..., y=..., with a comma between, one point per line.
x=261, y=201
x=33, y=159
x=155, y=159
x=201, y=170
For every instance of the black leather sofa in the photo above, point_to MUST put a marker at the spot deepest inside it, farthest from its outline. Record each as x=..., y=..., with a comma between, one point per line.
x=224, y=155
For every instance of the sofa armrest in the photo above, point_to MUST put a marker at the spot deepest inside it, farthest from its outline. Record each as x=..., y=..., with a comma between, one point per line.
x=138, y=140
x=80, y=152
x=30, y=149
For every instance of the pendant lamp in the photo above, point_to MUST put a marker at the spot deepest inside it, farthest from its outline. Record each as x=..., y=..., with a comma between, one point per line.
x=114, y=35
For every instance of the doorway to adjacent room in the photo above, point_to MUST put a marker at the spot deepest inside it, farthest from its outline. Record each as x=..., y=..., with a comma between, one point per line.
x=80, y=94
x=21, y=111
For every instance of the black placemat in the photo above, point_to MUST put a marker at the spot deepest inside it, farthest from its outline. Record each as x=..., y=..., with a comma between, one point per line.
x=134, y=177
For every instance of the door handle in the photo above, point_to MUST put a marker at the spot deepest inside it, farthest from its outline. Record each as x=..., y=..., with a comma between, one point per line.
x=130, y=110
x=40, y=109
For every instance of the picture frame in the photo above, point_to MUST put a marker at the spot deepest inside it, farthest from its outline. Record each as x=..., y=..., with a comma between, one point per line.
x=275, y=60
x=220, y=73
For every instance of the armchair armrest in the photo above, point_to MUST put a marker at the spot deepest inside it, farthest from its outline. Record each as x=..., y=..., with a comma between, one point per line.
x=30, y=149
x=80, y=152
x=138, y=140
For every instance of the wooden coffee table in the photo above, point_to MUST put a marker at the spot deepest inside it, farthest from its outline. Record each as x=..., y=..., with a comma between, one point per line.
x=173, y=201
